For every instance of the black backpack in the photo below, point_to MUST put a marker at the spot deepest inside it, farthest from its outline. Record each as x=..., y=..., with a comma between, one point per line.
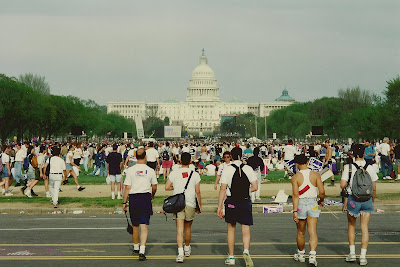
x=240, y=184
x=165, y=155
x=362, y=188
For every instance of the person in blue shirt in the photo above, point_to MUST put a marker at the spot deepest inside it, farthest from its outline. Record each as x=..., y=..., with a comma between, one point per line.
x=369, y=153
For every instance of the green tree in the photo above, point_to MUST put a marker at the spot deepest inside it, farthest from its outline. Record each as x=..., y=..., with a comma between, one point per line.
x=36, y=82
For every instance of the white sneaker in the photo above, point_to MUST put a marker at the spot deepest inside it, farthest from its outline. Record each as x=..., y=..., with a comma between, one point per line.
x=398, y=179
x=180, y=258
x=300, y=257
x=188, y=252
x=112, y=197
x=363, y=261
x=8, y=194
x=351, y=258
x=389, y=178
x=48, y=195
x=248, y=260
x=312, y=260
x=230, y=260
x=27, y=193
x=3, y=191
x=119, y=197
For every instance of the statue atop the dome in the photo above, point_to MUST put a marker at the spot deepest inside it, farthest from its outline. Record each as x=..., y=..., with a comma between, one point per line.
x=202, y=54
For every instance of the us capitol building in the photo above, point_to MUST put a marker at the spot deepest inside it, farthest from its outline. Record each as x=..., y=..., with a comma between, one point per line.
x=203, y=109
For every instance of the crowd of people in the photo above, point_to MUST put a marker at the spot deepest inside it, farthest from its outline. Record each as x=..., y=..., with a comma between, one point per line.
x=238, y=168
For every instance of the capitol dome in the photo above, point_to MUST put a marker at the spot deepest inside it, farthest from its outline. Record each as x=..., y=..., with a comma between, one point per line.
x=203, y=84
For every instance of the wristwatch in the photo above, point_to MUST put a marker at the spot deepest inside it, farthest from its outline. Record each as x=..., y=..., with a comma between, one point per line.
x=294, y=211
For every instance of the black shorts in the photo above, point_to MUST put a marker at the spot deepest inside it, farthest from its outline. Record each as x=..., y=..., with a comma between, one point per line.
x=140, y=208
x=238, y=212
x=152, y=164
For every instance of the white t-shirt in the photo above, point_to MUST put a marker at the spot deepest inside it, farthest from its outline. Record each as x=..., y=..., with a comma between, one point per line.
x=361, y=163
x=290, y=151
x=57, y=165
x=5, y=158
x=175, y=167
x=40, y=160
x=222, y=167
x=131, y=154
x=186, y=149
x=384, y=149
x=211, y=169
x=86, y=153
x=69, y=154
x=229, y=171
x=140, y=177
x=77, y=153
x=175, y=151
x=20, y=155
x=152, y=154
x=179, y=179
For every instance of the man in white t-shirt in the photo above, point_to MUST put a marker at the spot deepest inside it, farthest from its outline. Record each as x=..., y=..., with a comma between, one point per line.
x=140, y=186
x=211, y=169
x=177, y=181
x=227, y=161
x=20, y=155
x=153, y=158
x=289, y=151
x=386, y=163
x=238, y=208
x=57, y=168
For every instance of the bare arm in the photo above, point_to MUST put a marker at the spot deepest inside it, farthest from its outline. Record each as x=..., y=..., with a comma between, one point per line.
x=321, y=190
x=374, y=192
x=222, y=193
x=295, y=198
x=168, y=185
x=153, y=190
x=253, y=186
x=197, y=190
x=126, y=194
x=216, y=181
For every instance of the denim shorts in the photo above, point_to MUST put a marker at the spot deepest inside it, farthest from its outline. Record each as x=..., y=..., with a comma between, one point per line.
x=355, y=208
x=308, y=207
x=4, y=174
x=69, y=167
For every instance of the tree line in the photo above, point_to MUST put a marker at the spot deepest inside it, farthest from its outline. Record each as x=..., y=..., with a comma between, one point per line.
x=354, y=113
x=26, y=112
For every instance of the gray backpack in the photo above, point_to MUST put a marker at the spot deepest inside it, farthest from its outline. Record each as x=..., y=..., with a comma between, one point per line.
x=361, y=187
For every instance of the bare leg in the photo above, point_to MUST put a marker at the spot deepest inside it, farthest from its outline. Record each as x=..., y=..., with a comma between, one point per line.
x=231, y=238
x=364, y=229
x=179, y=232
x=46, y=184
x=144, y=231
x=135, y=235
x=112, y=187
x=246, y=236
x=352, y=229
x=301, y=230
x=312, y=232
x=188, y=232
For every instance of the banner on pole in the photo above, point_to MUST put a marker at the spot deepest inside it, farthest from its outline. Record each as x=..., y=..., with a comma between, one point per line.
x=139, y=127
x=172, y=131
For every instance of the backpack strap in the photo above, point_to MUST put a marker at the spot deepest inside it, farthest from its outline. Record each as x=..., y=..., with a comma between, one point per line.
x=365, y=166
x=356, y=165
x=187, y=183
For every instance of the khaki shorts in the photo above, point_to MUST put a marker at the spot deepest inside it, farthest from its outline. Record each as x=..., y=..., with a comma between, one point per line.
x=187, y=214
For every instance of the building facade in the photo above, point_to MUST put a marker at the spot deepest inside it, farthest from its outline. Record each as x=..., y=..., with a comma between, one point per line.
x=202, y=108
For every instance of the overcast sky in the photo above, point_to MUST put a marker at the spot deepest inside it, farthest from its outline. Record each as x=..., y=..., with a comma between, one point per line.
x=124, y=50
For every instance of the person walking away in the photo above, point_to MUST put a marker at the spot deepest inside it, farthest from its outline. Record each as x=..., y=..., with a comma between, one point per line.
x=140, y=186
x=31, y=176
x=57, y=168
x=167, y=160
x=188, y=181
x=97, y=162
x=41, y=162
x=357, y=207
x=306, y=186
x=386, y=163
x=114, y=168
x=236, y=180
x=257, y=164
x=289, y=151
x=153, y=158
x=327, y=161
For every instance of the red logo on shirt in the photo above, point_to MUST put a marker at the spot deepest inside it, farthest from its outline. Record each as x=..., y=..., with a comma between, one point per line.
x=185, y=175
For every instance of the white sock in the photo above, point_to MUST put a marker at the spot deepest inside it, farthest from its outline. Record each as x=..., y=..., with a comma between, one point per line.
x=246, y=251
x=136, y=246
x=301, y=251
x=398, y=176
x=78, y=186
x=187, y=248
x=112, y=194
x=363, y=253
x=180, y=251
x=142, y=249
x=352, y=249
x=119, y=193
x=313, y=252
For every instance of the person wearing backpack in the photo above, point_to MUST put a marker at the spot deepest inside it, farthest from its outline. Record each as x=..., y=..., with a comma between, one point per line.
x=31, y=173
x=167, y=161
x=360, y=182
x=184, y=180
x=237, y=180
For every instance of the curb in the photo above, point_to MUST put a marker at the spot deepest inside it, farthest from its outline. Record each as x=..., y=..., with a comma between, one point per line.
x=257, y=208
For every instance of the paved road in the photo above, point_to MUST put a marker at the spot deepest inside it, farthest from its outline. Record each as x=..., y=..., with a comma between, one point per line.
x=101, y=240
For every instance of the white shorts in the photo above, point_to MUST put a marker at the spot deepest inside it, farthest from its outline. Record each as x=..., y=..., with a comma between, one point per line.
x=116, y=178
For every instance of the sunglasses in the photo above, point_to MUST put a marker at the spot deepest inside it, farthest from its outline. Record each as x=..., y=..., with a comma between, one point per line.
x=227, y=157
